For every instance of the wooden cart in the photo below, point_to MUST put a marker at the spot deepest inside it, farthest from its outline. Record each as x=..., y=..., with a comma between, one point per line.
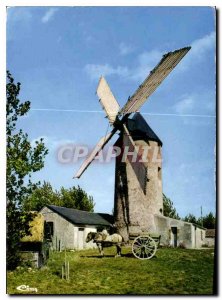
x=144, y=245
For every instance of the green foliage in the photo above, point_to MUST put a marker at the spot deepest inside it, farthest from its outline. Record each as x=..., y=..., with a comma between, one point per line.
x=191, y=219
x=207, y=221
x=22, y=160
x=40, y=197
x=168, y=209
x=173, y=271
x=17, y=227
x=74, y=197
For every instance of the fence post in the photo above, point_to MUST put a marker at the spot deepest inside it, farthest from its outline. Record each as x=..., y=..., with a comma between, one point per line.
x=65, y=269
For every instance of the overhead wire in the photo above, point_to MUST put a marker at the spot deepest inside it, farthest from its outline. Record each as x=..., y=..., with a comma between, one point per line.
x=101, y=111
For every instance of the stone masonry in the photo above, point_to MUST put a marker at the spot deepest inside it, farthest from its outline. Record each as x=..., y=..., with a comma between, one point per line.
x=134, y=207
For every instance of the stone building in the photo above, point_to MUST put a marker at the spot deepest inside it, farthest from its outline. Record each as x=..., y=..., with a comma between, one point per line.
x=138, y=200
x=67, y=228
x=210, y=238
x=176, y=233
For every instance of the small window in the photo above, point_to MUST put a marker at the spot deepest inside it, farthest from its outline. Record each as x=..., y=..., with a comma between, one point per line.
x=81, y=229
x=159, y=173
x=48, y=230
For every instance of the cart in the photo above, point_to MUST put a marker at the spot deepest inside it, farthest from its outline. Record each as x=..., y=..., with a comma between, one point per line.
x=144, y=245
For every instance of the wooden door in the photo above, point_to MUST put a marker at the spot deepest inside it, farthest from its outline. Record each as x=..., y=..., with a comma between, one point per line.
x=174, y=231
x=80, y=238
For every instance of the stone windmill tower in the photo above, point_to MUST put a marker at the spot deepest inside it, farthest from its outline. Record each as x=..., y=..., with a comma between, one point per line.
x=138, y=183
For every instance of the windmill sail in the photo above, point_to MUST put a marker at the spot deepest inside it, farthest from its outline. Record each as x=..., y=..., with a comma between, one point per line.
x=102, y=142
x=112, y=109
x=139, y=168
x=154, y=79
x=107, y=100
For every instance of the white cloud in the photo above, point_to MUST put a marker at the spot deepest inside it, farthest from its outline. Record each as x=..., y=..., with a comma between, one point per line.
x=201, y=103
x=185, y=105
x=202, y=45
x=199, y=49
x=52, y=143
x=149, y=58
x=95, y=71
x=125, y=49
x=146, y=61
x=49, y=15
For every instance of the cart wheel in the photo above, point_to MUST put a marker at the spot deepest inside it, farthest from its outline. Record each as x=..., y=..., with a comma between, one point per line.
x=144, y=247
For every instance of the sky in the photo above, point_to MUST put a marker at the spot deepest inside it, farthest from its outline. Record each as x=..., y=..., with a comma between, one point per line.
x=59, y=53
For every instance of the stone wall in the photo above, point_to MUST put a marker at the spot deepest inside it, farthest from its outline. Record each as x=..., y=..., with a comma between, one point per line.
x=80, y=234
x=134, y=209
x=199, y=237
x=209, y=242
x=154, y=192
x=176, y=233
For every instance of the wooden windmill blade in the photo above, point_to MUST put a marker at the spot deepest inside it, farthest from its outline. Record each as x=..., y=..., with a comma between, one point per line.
x=107, y=100
x=154, y=79
x=102, y=142
x=138, y=166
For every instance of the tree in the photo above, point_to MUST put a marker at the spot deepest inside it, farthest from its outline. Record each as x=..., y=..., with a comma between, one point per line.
x=74, y=197
x=22, y=160
x=168, y=209
x=209, y=221
x=40, y=197
x=191, y=219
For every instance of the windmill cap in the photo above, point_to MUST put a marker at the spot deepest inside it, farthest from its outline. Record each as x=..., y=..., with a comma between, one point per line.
x=139, y=129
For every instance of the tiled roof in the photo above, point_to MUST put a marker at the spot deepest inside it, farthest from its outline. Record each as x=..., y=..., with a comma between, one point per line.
x=210, y=233
x=76, y=216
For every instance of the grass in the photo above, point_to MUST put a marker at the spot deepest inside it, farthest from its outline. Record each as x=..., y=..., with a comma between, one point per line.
x=172, y=271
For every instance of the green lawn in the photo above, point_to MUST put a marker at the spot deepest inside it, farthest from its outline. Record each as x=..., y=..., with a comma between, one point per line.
x=172, y=271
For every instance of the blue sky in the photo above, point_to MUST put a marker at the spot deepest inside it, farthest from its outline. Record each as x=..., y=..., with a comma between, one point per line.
x=59, y=53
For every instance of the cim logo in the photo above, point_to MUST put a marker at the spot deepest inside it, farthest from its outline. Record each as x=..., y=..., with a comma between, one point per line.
x=26, y=288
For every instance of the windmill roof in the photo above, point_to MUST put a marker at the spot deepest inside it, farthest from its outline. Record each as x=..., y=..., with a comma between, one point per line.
x=76, y=216
x=139, y=128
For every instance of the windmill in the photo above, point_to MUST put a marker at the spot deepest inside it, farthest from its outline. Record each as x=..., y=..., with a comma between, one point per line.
x=138, y=196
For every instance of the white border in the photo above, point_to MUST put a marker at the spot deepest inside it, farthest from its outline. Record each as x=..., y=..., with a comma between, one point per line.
x=111, y=3
x=7, y=3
